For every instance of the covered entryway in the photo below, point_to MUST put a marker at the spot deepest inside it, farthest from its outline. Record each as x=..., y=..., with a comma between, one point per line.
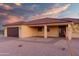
x=62, y=31
x=13, y=32
x=46, y=31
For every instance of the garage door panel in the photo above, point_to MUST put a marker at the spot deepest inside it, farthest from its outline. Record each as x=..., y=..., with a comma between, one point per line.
x=13, y=32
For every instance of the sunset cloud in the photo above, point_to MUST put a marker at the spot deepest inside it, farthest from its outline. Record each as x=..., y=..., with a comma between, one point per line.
x=57, y=10
x=29, y=11
x=4, y=14
x=1, y=4
x=12, y=19
x=52, y=12
x=7, y=7
x=18, y=4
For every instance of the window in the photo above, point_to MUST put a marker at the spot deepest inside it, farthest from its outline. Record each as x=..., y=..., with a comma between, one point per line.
x=48, y=29
x=40, y=29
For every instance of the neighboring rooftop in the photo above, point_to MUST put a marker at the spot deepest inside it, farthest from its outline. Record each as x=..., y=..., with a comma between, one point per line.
x=46, y=21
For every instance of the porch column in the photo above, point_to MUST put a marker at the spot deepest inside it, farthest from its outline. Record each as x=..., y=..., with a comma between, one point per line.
x=20, y=33
x=45, y=31
x=5, y=31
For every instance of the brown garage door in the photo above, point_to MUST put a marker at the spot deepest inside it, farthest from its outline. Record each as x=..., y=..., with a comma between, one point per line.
x=13, y=32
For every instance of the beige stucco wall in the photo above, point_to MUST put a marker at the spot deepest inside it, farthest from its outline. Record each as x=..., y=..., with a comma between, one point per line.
x=26, y=31
x=40, y=33
x=54, y=32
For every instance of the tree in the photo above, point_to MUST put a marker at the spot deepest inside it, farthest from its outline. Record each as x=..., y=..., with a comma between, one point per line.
x=70, y=29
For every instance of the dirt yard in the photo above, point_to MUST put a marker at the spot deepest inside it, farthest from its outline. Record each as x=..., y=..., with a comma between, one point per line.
x=37, y=47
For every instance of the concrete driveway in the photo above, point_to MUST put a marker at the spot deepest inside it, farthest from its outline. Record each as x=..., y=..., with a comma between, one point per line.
x=36, y=47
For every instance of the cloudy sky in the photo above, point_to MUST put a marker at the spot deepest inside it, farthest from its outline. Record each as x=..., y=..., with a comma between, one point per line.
x=14, y=12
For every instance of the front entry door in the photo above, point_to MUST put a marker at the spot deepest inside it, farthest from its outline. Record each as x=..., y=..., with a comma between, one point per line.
x=62, y=31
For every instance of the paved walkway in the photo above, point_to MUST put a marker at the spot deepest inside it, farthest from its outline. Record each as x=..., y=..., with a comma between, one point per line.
x=36, y=47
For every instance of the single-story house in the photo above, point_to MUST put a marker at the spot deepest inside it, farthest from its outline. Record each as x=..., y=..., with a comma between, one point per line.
x=45, y=27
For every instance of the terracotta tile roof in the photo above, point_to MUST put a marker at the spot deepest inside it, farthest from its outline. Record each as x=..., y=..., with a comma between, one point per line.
x=75, y=20
x=16, y=23
x=46, y=21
